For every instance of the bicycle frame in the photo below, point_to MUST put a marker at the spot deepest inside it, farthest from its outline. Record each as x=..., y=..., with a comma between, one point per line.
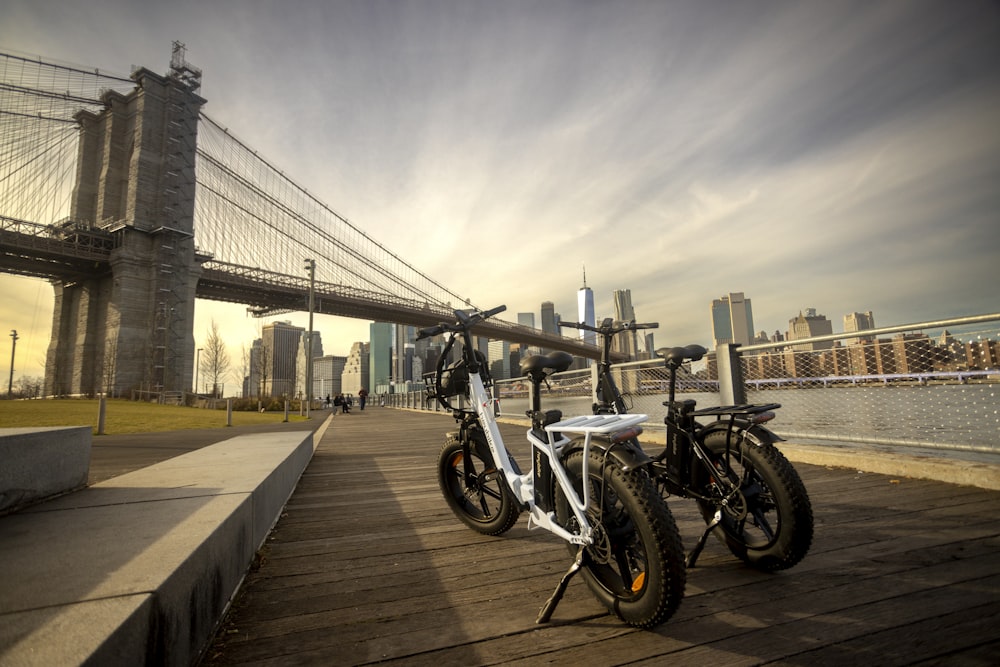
x=584, y=484
x=523, y=485
x=545, y=451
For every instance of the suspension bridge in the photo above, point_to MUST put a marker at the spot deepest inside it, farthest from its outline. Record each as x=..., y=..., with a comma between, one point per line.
x=133, y=203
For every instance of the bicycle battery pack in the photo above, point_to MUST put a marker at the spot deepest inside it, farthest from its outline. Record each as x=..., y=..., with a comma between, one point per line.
x=542, y=473
x=678, y=452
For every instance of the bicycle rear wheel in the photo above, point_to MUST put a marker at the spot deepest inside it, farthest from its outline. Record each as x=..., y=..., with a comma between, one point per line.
x=769, y=525
x=635, y=567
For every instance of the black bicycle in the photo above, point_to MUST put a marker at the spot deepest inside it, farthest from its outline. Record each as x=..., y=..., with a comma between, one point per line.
x=749, y=494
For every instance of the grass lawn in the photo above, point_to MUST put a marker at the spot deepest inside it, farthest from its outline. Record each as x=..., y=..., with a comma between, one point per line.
x=125, y=416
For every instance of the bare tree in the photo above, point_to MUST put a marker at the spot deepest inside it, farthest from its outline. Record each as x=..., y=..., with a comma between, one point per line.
x=242, y=374
x=263, y=368
x=214, y=359
x=109, y=367
x=30, y=387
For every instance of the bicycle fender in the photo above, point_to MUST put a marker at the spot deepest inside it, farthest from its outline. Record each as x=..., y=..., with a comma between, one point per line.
x=478, y=442
x=627, y=453
x=758, y=435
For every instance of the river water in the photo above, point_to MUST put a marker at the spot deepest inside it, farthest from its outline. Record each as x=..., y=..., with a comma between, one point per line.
x=939, y=417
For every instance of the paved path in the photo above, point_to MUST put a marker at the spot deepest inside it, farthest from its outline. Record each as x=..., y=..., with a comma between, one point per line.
x=114, y=455
x=368, y=565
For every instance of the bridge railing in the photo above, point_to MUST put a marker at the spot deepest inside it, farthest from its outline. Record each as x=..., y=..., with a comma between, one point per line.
x=909, y=389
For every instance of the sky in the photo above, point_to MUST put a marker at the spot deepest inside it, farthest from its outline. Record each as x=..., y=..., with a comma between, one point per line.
x=842, y=156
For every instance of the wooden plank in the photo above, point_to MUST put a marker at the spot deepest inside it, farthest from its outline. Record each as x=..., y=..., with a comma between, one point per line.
x=367, y=564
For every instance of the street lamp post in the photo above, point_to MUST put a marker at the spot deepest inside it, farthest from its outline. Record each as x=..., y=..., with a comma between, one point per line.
x=13, y=346
x=197, y=368
x=311, y=265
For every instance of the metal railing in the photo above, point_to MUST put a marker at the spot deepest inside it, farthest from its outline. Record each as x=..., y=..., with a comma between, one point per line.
x=937, y=392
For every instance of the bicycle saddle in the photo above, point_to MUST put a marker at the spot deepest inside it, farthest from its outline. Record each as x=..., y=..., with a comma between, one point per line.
x=675, y=356
x=558, y=361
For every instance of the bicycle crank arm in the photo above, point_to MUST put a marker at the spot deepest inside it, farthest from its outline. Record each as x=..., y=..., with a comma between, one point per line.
x=550, y=605
x=693, y=556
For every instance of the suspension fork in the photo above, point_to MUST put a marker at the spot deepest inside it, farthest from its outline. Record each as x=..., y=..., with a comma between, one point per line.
x=704, y=460
x=611, y=397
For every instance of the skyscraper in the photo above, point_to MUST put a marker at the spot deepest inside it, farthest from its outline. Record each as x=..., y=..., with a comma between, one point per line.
x=859, y=322
x=302, y=363
x=808, y=325
x=499, y=359
x=626, y=342
x=526, y=319
x=624, y=312
x=327, y=375
x=380, y=357
x=281, y=345
x=732, y=319
x=355, y=374
x=549, y=318
x=585, y=304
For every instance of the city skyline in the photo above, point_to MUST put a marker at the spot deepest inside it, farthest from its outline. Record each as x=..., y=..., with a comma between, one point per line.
x=833, y=155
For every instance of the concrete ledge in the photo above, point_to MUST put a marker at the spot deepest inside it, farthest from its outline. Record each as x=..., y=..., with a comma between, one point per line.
x=967, y=471
x=39, y=463
x=139, y=569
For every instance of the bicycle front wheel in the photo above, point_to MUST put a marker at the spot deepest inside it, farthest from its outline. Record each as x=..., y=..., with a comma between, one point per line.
x=475, y=489
x=768, y=523
x=635, y=567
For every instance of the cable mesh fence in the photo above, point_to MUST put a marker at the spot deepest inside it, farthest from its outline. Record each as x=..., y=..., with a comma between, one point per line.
x=912, y=389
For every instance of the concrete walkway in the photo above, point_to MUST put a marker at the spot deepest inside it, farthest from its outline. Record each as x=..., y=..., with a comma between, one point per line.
x=138, y=568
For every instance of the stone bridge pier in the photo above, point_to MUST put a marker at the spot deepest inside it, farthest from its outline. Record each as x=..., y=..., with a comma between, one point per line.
x=129, y=325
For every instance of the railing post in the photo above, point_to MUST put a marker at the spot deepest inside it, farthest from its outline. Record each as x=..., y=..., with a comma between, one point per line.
x=731, y=388
x=102, y=406
x=593, y=382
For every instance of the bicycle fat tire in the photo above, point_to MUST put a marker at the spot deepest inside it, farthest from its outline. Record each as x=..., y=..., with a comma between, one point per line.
x=635, y=567
x=476, y=491
x=777, y=529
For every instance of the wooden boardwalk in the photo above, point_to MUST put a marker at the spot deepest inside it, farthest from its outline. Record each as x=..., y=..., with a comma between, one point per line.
x=368, y=565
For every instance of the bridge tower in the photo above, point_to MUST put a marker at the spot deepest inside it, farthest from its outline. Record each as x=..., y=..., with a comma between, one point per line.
x=132, y=328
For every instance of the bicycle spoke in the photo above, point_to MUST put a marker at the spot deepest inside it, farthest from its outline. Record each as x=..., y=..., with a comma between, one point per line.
x=762, y=523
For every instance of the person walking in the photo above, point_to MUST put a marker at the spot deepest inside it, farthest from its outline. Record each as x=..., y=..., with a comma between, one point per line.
x=362, y=398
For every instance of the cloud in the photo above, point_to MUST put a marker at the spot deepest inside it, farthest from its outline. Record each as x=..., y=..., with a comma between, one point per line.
x=836, y=155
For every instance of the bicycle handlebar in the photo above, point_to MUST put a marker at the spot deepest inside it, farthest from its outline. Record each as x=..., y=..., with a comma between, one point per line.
x=465, y=322
x=609, y=328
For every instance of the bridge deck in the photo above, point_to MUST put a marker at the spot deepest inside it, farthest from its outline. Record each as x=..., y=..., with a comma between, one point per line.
x=368, y=565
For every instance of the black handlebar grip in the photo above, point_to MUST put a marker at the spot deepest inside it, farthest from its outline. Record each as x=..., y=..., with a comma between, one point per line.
x=494, y=311
x=430, y=332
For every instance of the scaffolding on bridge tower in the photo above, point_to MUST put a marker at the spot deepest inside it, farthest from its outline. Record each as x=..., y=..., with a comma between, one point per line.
x=173, y=240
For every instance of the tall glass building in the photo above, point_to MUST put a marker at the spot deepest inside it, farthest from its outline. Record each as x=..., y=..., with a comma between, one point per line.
x=380, y=357
x=585, y=304
x=549, y=317
x=626, y=342
x=732, y=319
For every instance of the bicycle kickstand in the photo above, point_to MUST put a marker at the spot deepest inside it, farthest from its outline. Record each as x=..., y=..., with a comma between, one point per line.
x=550, y=605
x=693, y=556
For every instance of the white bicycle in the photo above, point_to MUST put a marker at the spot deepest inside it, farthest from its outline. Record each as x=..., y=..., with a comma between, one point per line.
x=587, y=484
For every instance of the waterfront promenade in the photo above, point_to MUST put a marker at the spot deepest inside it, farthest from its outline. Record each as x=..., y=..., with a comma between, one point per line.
x=367, y=565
